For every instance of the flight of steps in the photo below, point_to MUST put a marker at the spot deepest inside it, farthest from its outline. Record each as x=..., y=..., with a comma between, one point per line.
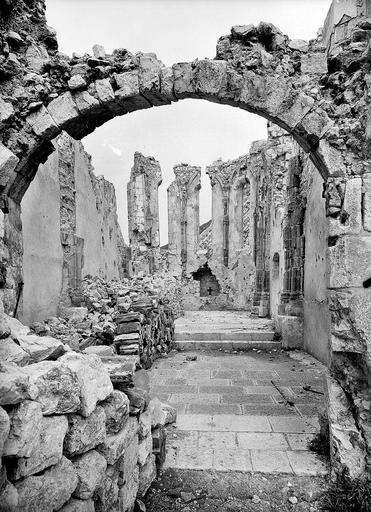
x=225, y=330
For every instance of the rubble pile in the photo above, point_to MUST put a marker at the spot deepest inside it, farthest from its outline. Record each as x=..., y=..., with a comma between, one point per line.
x=77, y=431
x=126, y=317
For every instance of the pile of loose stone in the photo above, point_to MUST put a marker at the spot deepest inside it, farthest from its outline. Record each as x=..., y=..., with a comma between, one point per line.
x=77, y=431
x=129, y=317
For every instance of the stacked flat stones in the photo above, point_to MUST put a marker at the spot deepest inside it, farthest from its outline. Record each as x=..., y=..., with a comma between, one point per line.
x=75, y=434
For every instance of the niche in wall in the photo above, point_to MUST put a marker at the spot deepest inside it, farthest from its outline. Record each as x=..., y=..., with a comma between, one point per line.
x=209, y=285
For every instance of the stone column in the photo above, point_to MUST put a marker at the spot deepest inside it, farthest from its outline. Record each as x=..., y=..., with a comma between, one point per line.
x=183, y=214
x=144, y=232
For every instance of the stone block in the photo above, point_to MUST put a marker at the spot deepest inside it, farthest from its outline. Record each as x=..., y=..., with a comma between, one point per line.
x=147, y=475
x=40, y=348
x=116, y=408
x=46, y=453
x=104, y=91
x=10, y=352
x=107, y=494
x=78, y=506
x=42, y=123
x=8, y=162
x=14, y=384
x=55, y=386
x=94, y=381
x=129, y=491
x=99, y=51
x=144, y=425
x=128, y=84
x=210, y=77
x=25, y=429
x=128, y=462
x=6, y=112
x=129, y=327
x=116, y=444
x=84, y=434
x=298, y=45
x=120, y=368
x=183, y=75
x=328, y=160
x=76, y=82
x=16, y=327
x=347, y=446
x=86, y=103
x=350, y=221
x=36, y=57
x=167, y=83
x=90, y=468
x=367, y=202
x=9, y=498
x=48, y=491
x=4, y=429
x=63, y=109
x=144, y=450
x=314, y=63
x=101, y=350
x=161, y=414
x=349, y=261
x=291, y=329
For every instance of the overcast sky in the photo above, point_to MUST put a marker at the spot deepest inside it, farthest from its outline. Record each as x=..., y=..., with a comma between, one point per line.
x=192, y=131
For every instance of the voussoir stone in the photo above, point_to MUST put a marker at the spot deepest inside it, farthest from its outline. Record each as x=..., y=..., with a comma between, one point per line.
x=90, y=468
x=116, y=408
x=84, y=434
x=116, y=444
x=48, y=450
x=8, y=162
x=14, y=384
x=55, y=386
x=25, y=429
x=41, y=347
x=48, y=491
x=94, y=381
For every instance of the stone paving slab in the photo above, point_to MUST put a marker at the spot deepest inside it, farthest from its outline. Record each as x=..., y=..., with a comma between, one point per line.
x=231, y=417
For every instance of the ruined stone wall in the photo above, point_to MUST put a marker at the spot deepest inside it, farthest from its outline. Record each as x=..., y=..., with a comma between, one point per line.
x=70, y=230
x=144, y=228
x=76, y=434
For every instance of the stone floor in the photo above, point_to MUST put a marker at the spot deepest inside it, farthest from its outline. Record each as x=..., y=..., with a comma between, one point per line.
x=232, y=418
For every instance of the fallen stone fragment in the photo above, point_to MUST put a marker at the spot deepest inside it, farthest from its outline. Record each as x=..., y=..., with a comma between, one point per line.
x=147, y=474
x=4, y=429
x=93, y=380
x=25, y=429
x=90, y=468
x=14, y=384
x=116, y=444
x=138, y=399
x=55, y=386
x=46, y=453
x=48, y=491
x=101, y=350
x=120, y=368
x=11, y=352
x=106, y=495
x=76, y=82
x=116, y=408
x=40, y=348
x=78, y=506
x=84, y=434
x=161, y=414
x=9, y=498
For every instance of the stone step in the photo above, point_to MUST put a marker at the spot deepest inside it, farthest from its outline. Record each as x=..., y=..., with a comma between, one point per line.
x=223, y=335
x=244, y=345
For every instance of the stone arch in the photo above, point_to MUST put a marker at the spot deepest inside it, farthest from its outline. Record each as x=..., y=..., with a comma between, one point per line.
x=84, y=102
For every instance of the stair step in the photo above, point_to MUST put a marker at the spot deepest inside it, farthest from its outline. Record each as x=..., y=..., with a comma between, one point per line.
x=228, y=335
x=245, y=345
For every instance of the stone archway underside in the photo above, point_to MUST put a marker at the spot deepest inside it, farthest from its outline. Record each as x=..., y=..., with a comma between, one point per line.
x=255, y=70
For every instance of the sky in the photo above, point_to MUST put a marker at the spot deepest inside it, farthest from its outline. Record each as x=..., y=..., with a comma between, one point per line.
x=190, y=131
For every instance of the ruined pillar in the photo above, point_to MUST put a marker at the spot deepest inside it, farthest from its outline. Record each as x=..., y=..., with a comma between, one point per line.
x=184, y=222
x=144, y=231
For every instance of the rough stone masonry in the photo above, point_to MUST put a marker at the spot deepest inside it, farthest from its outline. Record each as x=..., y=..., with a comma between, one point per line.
x=320, y=94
